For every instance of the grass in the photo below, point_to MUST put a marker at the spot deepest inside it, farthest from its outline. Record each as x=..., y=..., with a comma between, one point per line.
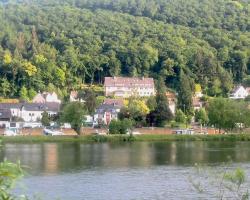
x=124, y=138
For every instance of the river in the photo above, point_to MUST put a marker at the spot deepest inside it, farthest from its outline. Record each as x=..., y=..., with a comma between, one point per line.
x=123, y=171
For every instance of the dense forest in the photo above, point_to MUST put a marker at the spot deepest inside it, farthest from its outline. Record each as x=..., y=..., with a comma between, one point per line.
x=61, y=44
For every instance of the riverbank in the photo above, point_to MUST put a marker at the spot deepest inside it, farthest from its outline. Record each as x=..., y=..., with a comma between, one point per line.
x=124, y=138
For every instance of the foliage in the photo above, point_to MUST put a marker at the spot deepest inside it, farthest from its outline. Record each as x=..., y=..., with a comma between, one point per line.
x=201, y=116
x=99, y=100
x=89, y=98
x=67, y=43
x=24, y=94
x=228, y=184
x=180, y=117
x=120, y=126
x=73, y=113
x=136, y=111
x=9, y=173
x=151, y=103
x=228, y=114
x=162, y=113
x=45, y=119
x=185, y=93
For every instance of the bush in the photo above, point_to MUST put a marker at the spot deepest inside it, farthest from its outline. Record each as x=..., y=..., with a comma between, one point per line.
x=120, y=126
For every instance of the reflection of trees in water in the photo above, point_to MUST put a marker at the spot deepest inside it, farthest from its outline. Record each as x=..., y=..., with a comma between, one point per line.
x=54, y=157
x=30, y=155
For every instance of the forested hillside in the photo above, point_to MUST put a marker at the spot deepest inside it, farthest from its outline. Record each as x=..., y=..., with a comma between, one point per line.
x=60, y=44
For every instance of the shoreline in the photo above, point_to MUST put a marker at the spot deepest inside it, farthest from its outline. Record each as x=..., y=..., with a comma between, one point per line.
x=124, y=138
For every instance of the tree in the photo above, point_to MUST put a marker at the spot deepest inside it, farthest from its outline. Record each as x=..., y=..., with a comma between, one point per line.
x=138, y=111
x=31, y=93
x=185, y=94
x=5, y=87
x=162, y=112
x=73, y=113
x=120, y=126
x=151, y=103
x=89, y=96
x=228, y=114
x=24, y=94
x=201, y=116
x=45, y=119
x=180, y=116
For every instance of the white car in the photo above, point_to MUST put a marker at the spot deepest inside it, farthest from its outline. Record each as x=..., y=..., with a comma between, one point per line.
x=10, y=132
x=52, y=132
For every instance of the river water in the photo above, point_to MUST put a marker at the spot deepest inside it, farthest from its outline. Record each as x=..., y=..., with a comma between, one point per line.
x=124, y=171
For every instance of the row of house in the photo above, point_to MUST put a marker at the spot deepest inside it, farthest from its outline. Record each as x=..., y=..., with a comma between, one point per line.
x=26, y=112
x=31, y=113
x=119, y=87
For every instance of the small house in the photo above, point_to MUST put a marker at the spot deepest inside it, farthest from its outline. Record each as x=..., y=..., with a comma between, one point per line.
x=239, y=92
x=105, y=113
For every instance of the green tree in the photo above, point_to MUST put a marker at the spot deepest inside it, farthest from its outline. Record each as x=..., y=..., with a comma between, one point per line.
x=228, y=114
x=201, y=116
x=45, y=119
x=24, y=94
x=31, y=93
x=180, y=116
x=89, y=96
x=73, y=113
x=162, y=112
x=5, y=87
x=185, y=94
x=151, y=103
x=120, y=126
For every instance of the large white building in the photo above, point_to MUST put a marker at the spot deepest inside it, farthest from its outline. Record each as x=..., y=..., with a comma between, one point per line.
x=126, y=87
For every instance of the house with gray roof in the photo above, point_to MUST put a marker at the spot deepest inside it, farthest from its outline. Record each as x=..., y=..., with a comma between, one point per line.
x=105, y=113
x=28, y=112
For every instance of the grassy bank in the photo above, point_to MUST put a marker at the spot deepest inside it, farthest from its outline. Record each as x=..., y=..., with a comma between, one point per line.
x=125, y=138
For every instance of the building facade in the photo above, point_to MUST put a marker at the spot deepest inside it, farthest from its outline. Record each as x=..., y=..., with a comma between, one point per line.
x=105, y=113
x=29, y=112
x=126, y=87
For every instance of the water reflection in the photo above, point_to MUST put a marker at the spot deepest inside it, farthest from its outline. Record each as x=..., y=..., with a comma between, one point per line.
x=53, y=158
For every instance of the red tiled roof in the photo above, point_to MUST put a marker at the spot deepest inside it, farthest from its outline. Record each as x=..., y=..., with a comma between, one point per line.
x=128, y=82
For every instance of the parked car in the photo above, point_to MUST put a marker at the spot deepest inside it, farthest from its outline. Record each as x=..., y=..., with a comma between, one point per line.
x=10, y=132
x=184, y=132
x=52, y=132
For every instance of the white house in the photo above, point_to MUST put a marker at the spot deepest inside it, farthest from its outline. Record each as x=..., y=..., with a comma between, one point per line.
x=105, y=113
x=126, y=87
x=29, y=112
x=239, y=93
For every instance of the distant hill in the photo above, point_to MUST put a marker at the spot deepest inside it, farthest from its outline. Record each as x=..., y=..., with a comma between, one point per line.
x=59, y=44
